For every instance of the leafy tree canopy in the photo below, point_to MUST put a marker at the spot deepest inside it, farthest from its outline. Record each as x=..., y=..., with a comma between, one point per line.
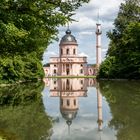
x=124, y=46
x=27, y=27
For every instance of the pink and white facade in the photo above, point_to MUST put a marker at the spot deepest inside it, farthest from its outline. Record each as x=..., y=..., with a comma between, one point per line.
x=69, y=63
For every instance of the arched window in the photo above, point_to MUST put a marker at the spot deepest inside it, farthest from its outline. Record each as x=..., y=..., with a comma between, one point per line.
x=73, y=51
x=74, y=101
x=67, y=51
x=54, y=71
x=61, y=51
x=67, y=84
x=68, y=102
x=62, y=102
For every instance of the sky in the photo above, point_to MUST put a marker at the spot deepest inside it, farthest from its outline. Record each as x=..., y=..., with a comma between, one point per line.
x=84, y=29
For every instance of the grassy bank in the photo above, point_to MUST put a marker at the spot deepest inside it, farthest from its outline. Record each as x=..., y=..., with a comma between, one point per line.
x=71, y=76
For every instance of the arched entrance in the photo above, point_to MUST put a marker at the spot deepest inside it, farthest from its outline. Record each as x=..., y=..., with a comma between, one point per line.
x=67, y=71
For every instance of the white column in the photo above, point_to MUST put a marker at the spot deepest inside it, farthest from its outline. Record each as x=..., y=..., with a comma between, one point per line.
x=98, y=44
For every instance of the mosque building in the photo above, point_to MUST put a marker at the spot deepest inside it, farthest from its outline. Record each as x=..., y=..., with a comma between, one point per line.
x=69, y=63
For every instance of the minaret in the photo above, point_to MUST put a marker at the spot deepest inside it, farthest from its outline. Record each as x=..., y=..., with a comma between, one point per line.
x=99, y=108
x=98, y=44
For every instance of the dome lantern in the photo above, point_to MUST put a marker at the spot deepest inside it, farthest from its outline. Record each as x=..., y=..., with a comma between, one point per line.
x=68, y=31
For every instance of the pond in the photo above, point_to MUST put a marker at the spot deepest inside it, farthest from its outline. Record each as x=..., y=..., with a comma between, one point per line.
x=71, y=109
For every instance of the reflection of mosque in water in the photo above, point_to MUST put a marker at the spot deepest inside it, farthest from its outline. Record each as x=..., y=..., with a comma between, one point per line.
x=68, y=90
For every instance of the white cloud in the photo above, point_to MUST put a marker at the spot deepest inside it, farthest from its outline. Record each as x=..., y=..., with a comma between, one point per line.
x=86, y=33
x=87, y=14
x=104, y=50
x=84, y=28
x=51, y=53
x=84, y=23
x=83, y=54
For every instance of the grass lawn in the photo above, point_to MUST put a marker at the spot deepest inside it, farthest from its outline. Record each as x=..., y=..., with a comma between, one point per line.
x=93, y=76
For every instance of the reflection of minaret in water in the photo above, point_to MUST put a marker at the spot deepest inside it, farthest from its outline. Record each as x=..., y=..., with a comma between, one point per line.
x=99, y=107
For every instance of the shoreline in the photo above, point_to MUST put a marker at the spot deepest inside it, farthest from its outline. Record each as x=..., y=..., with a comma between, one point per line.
x=94, y=77
x=18, y=82
x=70, y=76
x=105, y=79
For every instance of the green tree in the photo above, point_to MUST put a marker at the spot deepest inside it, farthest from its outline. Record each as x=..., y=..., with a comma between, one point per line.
x=124, y=46
x=27, y=27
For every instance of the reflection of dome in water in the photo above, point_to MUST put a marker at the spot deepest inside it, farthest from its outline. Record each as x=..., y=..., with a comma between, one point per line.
x=69, y=115
x=68, y=38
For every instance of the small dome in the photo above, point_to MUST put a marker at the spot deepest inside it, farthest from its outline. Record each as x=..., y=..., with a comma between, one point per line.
x=68, y=38
x=68, y=115
x=68, y=31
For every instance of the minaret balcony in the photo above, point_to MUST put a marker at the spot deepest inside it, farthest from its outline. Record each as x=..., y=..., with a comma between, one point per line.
x=98, y=32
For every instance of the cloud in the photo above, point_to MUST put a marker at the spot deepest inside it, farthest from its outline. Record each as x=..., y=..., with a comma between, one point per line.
x=83, y=54
x=86, y=33
x=87, y=14
x=84, y=28
x=51, y=53
x=104, y=50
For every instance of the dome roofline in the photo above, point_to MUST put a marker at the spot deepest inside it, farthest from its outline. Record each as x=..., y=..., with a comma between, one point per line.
x=68, y=43
x=68, y=39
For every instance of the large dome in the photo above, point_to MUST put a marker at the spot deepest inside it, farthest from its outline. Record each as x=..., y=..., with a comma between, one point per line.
x=68, y=39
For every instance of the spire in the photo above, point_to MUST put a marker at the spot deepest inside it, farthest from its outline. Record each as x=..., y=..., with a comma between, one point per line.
x=98, y=17
x=68, y=25
x=69, y=122
x=68, y=31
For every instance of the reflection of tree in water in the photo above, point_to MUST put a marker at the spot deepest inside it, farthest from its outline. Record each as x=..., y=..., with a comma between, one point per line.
x=22, y=114
x=20, y=94
x=124, y=101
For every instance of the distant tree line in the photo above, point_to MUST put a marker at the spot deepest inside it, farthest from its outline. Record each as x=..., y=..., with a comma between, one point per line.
x=27, y=27
x=123, y=56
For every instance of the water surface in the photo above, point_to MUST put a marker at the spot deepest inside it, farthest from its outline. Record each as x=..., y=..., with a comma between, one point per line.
x=71, y=109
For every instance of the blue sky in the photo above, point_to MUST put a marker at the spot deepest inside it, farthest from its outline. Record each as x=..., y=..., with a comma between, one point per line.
x=84, y=28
